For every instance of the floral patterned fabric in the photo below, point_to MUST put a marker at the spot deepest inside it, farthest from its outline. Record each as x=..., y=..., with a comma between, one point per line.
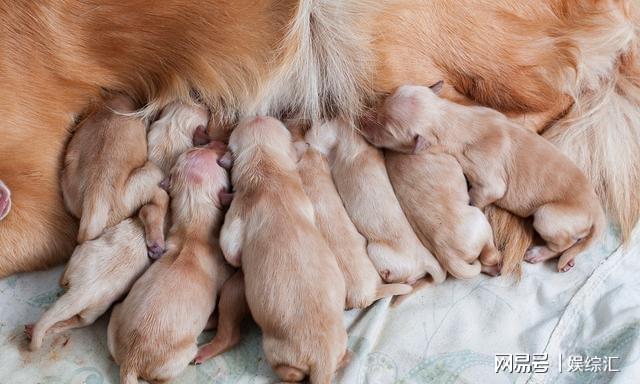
x=449, y=333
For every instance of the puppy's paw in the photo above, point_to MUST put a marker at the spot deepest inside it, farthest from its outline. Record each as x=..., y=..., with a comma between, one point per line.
x=568, y=267
x=155, y=250
x=5, y=200
x=491, y=270
x=535, y=255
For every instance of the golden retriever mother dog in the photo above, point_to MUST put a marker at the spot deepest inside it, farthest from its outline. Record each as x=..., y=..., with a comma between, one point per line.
x=574, y=78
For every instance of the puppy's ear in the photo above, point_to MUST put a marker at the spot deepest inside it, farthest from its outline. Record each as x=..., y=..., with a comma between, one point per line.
x=226, y=161
x=166, y=183
x=420, y=144
x=437, y=87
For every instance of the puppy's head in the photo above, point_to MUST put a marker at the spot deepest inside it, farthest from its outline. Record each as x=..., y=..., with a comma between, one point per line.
x=407, y=120
x=262, y=132
x=197, y=179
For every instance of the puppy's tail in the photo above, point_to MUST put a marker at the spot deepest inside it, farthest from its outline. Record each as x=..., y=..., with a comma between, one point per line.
x=94, y=218
x=596, y=231
x=512, y=237
x=66, y=307
x=386, y=290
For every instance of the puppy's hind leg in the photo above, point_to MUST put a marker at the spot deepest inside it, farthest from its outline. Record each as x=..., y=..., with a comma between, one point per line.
x=560, y=227
x=233, y=309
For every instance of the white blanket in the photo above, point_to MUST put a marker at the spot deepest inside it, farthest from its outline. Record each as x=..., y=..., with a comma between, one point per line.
x=451, y=333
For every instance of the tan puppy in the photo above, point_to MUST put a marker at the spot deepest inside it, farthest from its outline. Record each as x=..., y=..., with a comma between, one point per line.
x=180, y=126
x=100, y=272
x=153, y=333
x=5, y=200
x=362, y=281
x=232, y=309
x=107, y=177
x=294, y=287
x=361, y=179
x=506, y=165
x=433, y=193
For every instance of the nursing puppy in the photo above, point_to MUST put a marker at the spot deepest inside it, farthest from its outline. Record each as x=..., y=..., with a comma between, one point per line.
x=294, y=287
x=362, y=281
x=152, y=333
x=363, y=184
x=5, y=200
x=107, y=177
x=432, y=191
x=505, y=164
x=179, y=127
x=99, y=272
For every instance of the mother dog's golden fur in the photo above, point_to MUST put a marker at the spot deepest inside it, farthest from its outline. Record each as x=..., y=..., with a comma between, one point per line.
x=549, y=58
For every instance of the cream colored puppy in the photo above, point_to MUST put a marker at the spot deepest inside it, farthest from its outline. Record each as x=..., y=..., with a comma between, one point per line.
x=107, y=178
x=152, y=333
x=99, y=273
x=505, y=164
x=294, y=287
x=363, y=184
x=433, y=193
x=362, y=281
x=179, y=127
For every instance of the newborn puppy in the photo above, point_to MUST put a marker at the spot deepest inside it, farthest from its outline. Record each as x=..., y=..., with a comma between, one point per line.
x=490, y=148
x=362, y=281
x=179, y=127
x=433, y=193
x=363, y=184
x=232, y=309
x=152, y=334
x=107, y=177
x=294, y=287
x=99, y=272
x=5, y=200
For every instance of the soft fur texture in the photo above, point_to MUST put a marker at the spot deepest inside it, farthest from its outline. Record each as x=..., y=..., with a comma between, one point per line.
x=433, y=193
x=362, y=281
x=99, y=273
x=153, y=333
x=571, y=65
x=107, y=177
x=544, y=184
x=294, y=287
x=174, y=131
x=363, y=184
